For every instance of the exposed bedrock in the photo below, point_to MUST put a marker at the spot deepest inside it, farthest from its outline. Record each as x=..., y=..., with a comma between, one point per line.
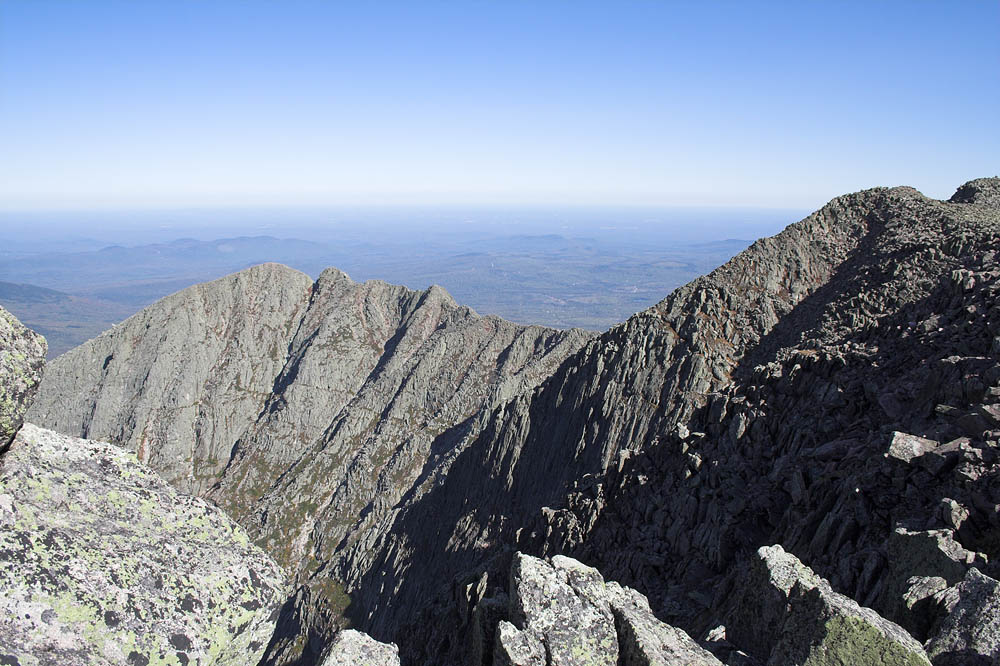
x=834, y=390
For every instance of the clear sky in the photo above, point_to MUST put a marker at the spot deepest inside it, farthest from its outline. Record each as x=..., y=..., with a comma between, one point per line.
x=209, y=102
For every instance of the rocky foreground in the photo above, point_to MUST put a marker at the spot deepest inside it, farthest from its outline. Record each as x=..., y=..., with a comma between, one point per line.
x=104, y=563
x=792, y=460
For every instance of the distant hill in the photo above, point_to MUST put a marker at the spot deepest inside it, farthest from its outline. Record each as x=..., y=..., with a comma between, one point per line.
x=65, y=320
x=547, y=279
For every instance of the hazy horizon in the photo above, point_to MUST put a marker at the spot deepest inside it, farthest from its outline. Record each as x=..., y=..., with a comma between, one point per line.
x=772, y=104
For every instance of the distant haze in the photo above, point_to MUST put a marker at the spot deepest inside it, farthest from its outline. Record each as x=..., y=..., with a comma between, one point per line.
x=113, y=104
x=71, y=275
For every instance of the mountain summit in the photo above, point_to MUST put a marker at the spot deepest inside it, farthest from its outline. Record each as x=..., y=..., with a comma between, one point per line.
x=822, y=411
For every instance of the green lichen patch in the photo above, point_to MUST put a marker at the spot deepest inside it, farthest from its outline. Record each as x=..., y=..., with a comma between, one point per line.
x=111, y=565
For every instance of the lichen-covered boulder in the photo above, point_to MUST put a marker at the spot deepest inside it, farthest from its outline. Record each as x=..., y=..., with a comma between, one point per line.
x=22, y=358
x=104, y=563
x=353, y=648
x=970, y=634
x=545, y=604
x=563, y=612
x=786, y=614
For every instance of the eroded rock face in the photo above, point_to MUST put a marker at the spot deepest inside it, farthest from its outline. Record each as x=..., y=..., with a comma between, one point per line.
x=22, y=358
x=834, y=389
x=178, y=382
x=306, y=411
x=104, y=563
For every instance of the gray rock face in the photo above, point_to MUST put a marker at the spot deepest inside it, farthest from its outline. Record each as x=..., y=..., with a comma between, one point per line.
x=104, y=563
x=970, y=634
x=307, y=411
x=353, y=648
x=22, y=358
x=178, y=382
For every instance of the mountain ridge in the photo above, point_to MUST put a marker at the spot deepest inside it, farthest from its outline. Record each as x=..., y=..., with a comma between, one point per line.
x=753, y=406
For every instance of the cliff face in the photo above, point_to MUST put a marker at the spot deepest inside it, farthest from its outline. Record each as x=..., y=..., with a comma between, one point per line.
x=307, y=411
x=178, y=382
x=756, y=405
x=834, y=390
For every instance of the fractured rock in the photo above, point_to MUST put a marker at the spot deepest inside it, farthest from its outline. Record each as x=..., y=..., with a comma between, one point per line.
x=906, y=447
x=915, y=554
x=569, y=615
x=786, y=614
x=545, y=603
x=644, y=640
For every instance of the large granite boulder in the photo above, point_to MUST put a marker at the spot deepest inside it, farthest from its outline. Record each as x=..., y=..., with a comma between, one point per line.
x=104, y=563
x=562, y=612
x=22, y=358
x=786, y=614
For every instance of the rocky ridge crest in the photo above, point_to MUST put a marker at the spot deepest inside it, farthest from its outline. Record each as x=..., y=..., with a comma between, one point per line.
x=832, y=390
x=307, y=411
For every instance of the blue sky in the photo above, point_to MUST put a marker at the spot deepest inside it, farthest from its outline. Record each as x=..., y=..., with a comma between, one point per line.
x=185, y=103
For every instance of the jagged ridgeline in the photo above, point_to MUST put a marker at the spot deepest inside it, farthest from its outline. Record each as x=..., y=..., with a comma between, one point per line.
x=308, y=411
x=832, y=389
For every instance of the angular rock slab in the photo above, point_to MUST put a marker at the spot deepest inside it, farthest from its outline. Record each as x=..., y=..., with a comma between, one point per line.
x=575, y=632
x=920, y=554
x=971, y=632
x=104, y=563
x=22, y=358
x=785, y=604
x=569, y=615
x=645, y=641
x=353, y=648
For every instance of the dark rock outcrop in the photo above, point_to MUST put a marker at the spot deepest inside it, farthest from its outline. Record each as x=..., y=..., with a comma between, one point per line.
x=756, y=405
x=22, y=358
